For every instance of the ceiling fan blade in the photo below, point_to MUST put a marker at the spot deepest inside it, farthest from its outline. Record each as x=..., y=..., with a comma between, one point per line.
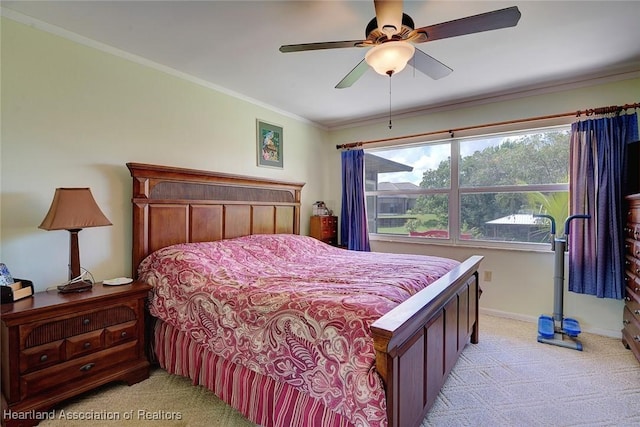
x=502, y=18
x=430, y=66
x=353, y=75
x=322, y=45
x=389, y=16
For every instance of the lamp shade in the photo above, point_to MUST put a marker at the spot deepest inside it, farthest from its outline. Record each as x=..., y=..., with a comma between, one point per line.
x=73, y=209
x=390, y=57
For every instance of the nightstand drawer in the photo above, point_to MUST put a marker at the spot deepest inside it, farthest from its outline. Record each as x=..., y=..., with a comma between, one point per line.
x=84, y=344
x=41, y=356
x=115, y=335
x=77, y=370
x=44, y=332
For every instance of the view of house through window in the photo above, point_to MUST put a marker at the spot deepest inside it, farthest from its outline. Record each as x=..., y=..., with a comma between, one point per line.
x=475, y=189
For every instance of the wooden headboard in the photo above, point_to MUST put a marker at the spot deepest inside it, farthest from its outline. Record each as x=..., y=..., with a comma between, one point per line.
x=175, y=205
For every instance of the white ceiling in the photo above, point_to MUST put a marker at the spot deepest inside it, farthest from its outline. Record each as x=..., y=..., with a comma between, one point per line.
x=233, y=45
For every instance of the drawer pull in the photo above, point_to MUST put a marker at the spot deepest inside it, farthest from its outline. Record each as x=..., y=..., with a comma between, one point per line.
x=636, y=338
x=86, y=321
x=86, y=345
x=636, y=312
x=123, y=334
x=87, y=367
x=626, y=322
x=44, y=358
x=627, y=299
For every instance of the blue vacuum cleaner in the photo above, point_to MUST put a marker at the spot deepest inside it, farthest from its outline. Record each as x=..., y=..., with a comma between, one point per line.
x=559, y=330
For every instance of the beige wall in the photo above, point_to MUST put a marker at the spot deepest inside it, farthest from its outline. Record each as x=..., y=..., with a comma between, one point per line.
x=72, y=116
x=522, y=281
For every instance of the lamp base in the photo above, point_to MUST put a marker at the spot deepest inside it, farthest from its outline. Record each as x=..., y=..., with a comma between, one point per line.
x=80, y=286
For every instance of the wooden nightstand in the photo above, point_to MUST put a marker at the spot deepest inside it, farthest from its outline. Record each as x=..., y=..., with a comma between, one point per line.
x=325, y=228
x=56, y=346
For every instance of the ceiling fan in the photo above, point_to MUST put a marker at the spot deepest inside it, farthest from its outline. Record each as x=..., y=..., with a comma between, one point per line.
x=391, y=35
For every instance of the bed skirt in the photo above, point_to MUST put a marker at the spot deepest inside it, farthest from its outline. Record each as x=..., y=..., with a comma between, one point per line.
x=260, y=398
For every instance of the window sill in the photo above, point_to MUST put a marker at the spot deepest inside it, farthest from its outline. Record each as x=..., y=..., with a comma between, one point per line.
x=505, y=246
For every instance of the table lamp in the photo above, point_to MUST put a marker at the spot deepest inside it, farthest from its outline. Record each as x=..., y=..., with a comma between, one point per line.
x=73, y=209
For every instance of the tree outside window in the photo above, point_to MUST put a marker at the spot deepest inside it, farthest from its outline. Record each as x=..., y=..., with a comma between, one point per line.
x=502, y=182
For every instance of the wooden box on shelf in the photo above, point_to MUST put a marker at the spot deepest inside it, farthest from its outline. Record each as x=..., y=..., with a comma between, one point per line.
x=325, y=228
x=631, y=311
x=56, y=346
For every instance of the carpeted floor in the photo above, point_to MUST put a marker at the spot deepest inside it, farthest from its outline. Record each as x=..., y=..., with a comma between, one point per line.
x=508, y=379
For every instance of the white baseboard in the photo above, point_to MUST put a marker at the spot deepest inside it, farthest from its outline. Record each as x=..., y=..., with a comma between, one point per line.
x=531, y=319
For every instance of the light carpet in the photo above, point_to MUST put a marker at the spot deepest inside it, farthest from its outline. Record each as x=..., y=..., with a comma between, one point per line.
x=508, y=379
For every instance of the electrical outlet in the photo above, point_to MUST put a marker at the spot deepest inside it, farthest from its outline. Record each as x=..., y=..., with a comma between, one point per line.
x=487, y=275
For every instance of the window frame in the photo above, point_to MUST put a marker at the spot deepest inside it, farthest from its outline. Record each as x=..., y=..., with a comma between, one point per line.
x=455, y=192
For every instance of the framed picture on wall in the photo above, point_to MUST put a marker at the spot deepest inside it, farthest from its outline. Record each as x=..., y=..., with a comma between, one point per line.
x=269, y=144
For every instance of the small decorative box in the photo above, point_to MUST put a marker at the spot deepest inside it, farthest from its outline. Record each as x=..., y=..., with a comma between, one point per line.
x=16, y=291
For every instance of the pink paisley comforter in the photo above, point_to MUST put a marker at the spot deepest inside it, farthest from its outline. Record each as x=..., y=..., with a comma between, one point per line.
x=292, y=308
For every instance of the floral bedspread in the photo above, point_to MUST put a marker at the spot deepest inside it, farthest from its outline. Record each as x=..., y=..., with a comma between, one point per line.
x=290, y=307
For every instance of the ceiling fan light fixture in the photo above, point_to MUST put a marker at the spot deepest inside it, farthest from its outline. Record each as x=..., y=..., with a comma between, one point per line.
x=390, y=57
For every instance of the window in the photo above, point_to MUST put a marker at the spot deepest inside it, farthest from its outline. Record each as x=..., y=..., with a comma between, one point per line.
x=484, y=188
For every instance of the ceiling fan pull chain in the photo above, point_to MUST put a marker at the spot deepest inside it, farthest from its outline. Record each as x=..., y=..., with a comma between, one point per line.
x=390, y=74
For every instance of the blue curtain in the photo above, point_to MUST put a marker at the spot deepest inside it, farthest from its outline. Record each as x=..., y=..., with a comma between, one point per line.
x=353, y=224
x=597, y=179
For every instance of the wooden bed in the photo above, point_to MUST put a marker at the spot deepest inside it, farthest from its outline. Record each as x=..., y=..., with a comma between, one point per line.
x=417, y=343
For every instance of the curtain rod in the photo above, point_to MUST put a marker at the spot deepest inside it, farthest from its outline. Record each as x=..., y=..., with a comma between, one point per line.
x=588, y=112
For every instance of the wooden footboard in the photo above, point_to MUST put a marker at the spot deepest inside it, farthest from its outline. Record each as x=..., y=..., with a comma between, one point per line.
x=418, y=343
